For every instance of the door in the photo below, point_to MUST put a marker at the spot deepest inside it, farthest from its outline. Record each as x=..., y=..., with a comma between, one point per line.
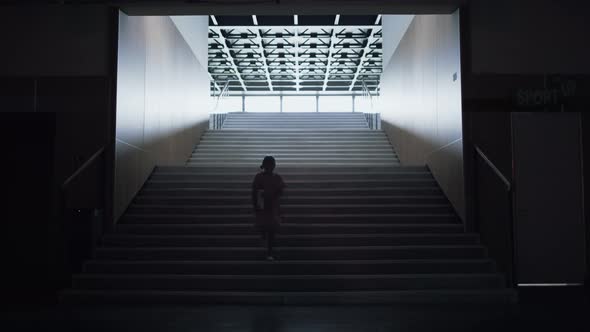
x=548, y=201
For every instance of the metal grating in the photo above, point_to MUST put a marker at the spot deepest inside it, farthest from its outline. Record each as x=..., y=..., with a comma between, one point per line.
x=291, y=58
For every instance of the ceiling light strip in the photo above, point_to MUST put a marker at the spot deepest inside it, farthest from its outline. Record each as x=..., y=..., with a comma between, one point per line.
x=378, y=20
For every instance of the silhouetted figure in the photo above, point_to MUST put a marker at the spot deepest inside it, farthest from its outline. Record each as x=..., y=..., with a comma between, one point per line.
x=267, y=189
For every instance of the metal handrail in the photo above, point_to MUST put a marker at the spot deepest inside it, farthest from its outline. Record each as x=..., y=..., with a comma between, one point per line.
x=494, y=168
x=63, y=202
x=84, y=166
x=223, y=93
x=509, y=191
x=367, y=92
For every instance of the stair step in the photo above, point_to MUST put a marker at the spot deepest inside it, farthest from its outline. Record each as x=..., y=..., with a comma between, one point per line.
x=230, y=169
x=289, y=152
x=304, y=143
x=291, y=146
x=356, y=267
x=290, y=199
x=126, y=240
x=287, y=282
x=294, y=184
x=147, y=218
x=281, y=129
x=285, y=155
x=303, y=177
x=294, y=209
x=287, y=228
x=245, y=191
x=292, y=127
x=222, y=134
x=294, y=253
x=296, y=159
x=302, y=163
x=364, y=137
x=130, y=297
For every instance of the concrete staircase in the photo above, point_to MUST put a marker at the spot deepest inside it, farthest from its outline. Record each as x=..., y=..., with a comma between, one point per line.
x=358, y=227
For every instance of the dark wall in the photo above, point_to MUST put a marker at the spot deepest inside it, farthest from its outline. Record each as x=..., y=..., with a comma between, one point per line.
x=55, y=40
x=27, y=142
x=56, y=83
x=507, y=46
x=529, y=36
x=586, y=169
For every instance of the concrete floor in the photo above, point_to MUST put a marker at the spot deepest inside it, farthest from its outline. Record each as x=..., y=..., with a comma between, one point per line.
x=537, y=311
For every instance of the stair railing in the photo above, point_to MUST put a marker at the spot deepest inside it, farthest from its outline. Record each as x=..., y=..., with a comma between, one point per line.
x=79, y=239
x=223, y=93
x=367, y=92
x=509, y=188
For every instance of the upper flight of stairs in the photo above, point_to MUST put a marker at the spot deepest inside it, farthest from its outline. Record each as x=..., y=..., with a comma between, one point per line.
x=295, y=121
x=295, y=139
x=358, y=227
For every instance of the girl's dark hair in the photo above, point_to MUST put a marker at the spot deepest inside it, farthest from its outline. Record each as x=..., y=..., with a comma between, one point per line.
x=268, y=162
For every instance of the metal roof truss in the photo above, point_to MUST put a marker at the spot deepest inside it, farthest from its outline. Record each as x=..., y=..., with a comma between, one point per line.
x=295, y=59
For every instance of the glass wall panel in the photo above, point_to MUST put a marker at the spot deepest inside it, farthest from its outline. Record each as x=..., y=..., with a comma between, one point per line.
x=335, y=103
x=299, y=104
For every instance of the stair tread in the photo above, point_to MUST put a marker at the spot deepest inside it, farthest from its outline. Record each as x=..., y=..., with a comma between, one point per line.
x=294, y=262
x=307, y=248
x=293, y=276
x=305, y=236
x=286, y=205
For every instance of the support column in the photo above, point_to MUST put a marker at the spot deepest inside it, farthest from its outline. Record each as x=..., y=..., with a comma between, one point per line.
x=353, y=98
x=317, y=103
x=281, y=103
x=243, y=103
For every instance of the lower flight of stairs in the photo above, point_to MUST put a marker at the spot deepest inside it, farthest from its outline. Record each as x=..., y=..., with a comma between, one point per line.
x=357, y=228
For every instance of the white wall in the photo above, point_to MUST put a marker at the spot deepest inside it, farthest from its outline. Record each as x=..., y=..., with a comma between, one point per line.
x=195, y=30
x=394, y=28
x=420, y=101
x=161, y=86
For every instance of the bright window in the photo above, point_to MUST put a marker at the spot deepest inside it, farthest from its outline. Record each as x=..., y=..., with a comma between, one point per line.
x=299, y=104
x=364, y=104
x=335, y=103
x=263, y=104
x=228, y=104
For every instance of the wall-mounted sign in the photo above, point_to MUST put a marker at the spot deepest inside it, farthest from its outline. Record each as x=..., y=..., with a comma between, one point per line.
x=555, y=95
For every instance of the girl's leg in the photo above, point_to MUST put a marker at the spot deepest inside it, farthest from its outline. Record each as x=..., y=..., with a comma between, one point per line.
x=270, y=236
